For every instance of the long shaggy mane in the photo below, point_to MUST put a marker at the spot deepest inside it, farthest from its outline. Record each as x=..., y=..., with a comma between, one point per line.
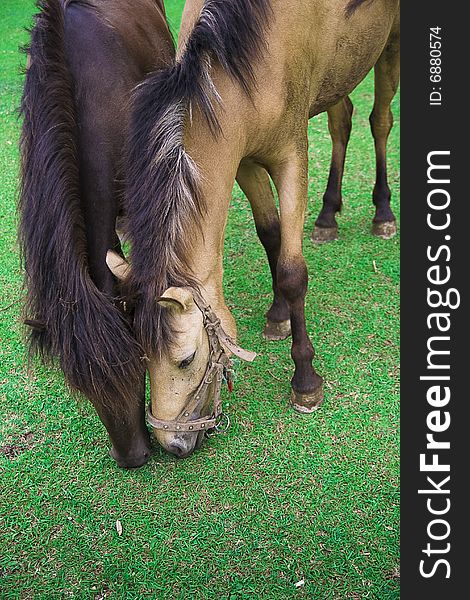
x=72, y=320
x=163, y=200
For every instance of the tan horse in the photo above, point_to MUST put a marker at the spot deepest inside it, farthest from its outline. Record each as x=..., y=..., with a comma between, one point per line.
x=249, y=75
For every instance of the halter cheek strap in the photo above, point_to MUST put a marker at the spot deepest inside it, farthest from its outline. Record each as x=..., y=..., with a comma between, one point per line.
x=218, y=366
x=213, y=375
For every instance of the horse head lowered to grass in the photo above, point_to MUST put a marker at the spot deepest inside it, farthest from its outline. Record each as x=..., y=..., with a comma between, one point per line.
x=85, y=57
x=198, y=357
x=235, y=105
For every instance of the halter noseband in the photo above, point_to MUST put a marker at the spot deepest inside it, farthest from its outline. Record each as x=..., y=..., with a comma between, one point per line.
x=219, y=366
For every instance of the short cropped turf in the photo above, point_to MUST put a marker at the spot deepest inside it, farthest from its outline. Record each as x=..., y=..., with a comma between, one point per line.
x=283, y=505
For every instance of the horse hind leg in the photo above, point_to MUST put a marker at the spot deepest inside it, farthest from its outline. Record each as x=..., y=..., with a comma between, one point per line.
x=254, y=181
x=339, y=125
x=387, y=73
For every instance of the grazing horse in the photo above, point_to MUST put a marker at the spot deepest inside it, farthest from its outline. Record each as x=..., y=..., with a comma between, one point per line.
x=248, y=75
x=84, y=59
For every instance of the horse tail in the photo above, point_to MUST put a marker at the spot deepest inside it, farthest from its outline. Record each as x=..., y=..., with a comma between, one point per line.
x=71, y=319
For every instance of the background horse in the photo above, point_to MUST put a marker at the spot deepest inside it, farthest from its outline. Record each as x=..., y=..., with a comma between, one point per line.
x=85, y=58
x=248, y=76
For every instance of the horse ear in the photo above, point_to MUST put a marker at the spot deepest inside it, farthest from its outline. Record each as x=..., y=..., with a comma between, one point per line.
x=117, y=265
x=177, y=298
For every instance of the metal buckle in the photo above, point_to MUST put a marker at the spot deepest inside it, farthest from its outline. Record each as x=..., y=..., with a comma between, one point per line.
x=222, y=425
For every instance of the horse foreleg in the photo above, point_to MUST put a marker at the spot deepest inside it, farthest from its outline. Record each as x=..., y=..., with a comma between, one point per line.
x=254, y=181
x=291, y=180
x=387, y=73
x=339, y=125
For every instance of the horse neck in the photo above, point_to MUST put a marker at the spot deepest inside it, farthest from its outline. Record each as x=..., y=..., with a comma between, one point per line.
x=217, y=157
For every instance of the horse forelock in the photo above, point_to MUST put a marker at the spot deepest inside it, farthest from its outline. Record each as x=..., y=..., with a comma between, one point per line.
x=164, y=202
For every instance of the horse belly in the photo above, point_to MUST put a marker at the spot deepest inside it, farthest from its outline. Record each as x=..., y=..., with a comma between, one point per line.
x=354, y=50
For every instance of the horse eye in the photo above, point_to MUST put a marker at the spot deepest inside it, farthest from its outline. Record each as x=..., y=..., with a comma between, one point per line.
x=187, y=361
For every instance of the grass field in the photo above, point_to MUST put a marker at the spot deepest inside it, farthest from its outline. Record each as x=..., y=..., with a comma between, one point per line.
x=281, y=497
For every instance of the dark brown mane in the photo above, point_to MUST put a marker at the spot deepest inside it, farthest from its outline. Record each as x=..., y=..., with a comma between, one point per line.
x=163, y=199
x=74, y=321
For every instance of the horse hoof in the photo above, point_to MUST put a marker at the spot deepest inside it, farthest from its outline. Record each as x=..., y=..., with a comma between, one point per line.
x=320, y=235
x=307, y=403
x=277, y=331
x=384, y=230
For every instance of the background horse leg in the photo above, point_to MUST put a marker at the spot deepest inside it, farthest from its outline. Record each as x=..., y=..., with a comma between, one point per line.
x=290, y=178
x=339, y=125
x=254, y=181
x=387, y=73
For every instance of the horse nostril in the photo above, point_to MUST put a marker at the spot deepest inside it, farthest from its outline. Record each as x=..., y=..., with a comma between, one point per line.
x=178, y=449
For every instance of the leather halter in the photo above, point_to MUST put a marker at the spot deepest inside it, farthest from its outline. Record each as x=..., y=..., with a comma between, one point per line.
x=219, y=366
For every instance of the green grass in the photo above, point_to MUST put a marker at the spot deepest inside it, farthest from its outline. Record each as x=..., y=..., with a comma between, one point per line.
x=281, y=497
